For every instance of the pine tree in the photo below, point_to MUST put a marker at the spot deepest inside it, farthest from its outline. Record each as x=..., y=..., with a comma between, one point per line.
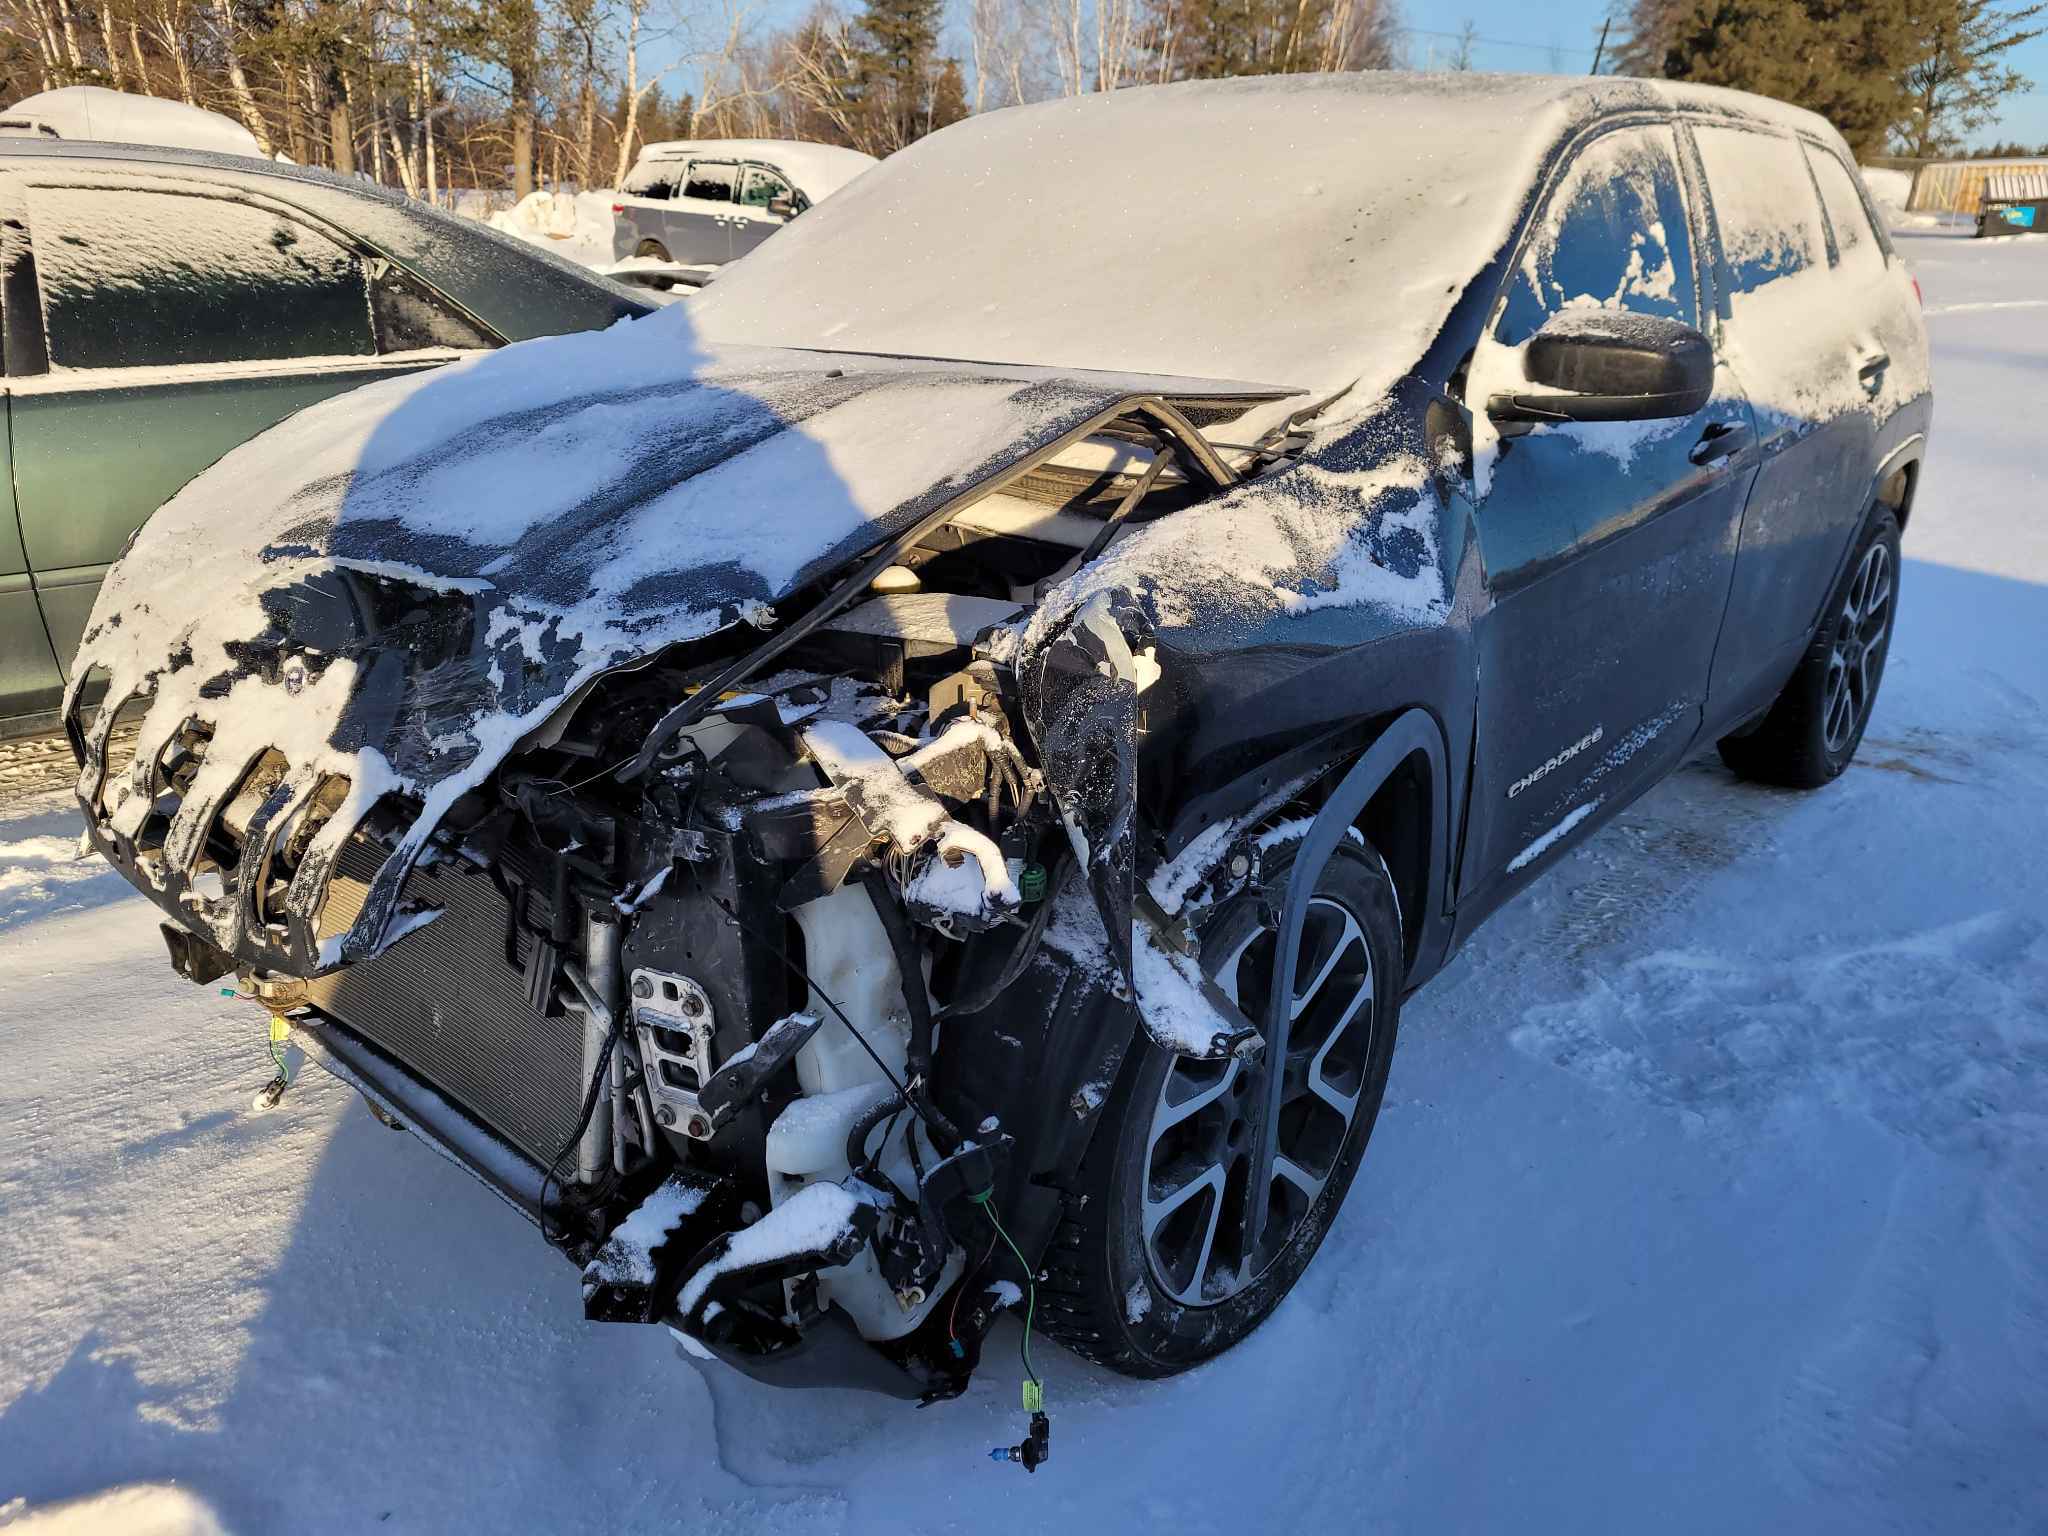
x=894, y=46
x=1642, y=35
x=1845, y=59
x=1962, y=75
x=948, y=96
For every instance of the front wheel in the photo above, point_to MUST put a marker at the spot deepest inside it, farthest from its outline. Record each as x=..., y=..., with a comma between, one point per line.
x=1175, y=1249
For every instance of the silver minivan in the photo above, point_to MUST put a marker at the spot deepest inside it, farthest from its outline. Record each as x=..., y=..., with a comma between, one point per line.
x=709, y=201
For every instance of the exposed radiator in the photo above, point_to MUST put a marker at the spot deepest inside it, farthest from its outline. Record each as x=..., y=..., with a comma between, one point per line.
x=444, y=1002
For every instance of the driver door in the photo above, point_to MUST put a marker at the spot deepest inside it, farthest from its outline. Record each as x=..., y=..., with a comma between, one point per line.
x=1608, y=546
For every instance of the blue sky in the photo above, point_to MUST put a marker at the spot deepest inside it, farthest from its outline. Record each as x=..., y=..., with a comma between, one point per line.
x=1559, y=36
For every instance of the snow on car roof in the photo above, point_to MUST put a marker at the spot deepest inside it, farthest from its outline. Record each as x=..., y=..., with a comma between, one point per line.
x=1307, y=230
x=819, y=170
x=118, y=117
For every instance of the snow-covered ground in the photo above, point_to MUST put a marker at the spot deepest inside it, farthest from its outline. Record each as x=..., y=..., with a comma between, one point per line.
x=1711, y=1191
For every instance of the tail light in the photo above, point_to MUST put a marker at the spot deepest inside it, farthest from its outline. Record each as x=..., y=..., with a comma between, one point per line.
x=1917, y=299
x=621, y=208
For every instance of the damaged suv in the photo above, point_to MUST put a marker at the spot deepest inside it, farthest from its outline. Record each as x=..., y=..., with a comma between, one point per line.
x=918, y=782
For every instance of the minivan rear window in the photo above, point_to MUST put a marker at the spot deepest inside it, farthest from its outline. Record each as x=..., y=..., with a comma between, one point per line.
x=1764, y=203
x=656, y=179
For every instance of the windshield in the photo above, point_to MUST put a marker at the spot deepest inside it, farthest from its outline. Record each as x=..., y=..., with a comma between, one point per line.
x=1308, y=231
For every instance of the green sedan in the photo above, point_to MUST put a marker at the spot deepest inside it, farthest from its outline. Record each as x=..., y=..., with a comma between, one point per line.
x=158, y=307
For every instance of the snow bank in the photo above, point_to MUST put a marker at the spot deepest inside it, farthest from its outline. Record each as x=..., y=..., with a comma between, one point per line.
x=577, y=225
x=1890, y=190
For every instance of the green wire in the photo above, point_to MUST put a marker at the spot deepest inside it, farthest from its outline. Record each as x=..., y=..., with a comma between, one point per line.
x=1030, y=1285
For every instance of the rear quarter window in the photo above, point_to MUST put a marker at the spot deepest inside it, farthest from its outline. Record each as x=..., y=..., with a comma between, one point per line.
x=1856, y=242
x=656, y=179
x=1764, y=204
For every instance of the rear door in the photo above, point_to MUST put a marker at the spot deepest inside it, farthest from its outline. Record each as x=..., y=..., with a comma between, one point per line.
x=1608, y=546
x=1810, y=356
x=178, y=320
x=642, y=208
x=700, y=218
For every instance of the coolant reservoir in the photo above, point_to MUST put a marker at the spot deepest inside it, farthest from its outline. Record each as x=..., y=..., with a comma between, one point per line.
x=847, y=951
x=807, y=1142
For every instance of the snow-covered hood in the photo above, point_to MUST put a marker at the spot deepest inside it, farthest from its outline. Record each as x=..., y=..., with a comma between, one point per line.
x=396, y=586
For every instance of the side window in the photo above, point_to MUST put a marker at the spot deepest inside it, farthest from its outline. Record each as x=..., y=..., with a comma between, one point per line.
x=1856, y=243
x=762, y=186
x=1763, y=203
x=1615, y=235
x=710, y=181
x=655, y=179
x=133, y=279
x=409, y=316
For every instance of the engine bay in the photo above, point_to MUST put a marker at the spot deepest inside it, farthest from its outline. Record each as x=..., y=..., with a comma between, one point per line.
x=732, y=974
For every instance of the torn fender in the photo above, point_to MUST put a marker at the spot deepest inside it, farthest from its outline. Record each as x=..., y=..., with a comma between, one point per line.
x=1081, y=703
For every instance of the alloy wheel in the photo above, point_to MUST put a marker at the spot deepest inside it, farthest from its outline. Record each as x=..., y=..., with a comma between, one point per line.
x=1857, y=651
x=1199, y=1208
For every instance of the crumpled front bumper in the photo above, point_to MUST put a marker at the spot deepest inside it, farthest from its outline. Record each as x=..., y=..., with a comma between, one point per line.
x=829, y=1352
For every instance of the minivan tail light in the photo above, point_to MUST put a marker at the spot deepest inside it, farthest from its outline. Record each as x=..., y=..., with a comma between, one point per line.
x=1917, y=299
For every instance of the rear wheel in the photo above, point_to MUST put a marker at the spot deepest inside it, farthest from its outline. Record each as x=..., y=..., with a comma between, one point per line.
x=1171, y=1256
x=1814, y=728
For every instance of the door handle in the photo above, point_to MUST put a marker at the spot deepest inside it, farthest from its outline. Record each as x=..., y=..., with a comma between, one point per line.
x=1719, y=441
x=1870, y=372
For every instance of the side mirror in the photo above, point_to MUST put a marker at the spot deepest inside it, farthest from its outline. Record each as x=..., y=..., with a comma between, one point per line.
x=782, y=207
x=1608, y=365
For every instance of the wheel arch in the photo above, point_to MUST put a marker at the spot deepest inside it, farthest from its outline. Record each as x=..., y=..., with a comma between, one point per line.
x=1898, y=479
x=1385, y=778
x=1401, y=772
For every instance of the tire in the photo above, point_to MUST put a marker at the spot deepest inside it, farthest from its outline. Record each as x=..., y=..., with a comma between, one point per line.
x=1813, y=728
x=1130, y=1304
x=651, y=248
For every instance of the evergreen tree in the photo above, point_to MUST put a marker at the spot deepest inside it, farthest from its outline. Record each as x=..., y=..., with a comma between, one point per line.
x=1955, y=86
x=949, y=96
x=895, y=43
x=1845, y=59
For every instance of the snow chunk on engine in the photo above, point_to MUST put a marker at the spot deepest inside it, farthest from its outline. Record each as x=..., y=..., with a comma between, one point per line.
x=953, y=877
